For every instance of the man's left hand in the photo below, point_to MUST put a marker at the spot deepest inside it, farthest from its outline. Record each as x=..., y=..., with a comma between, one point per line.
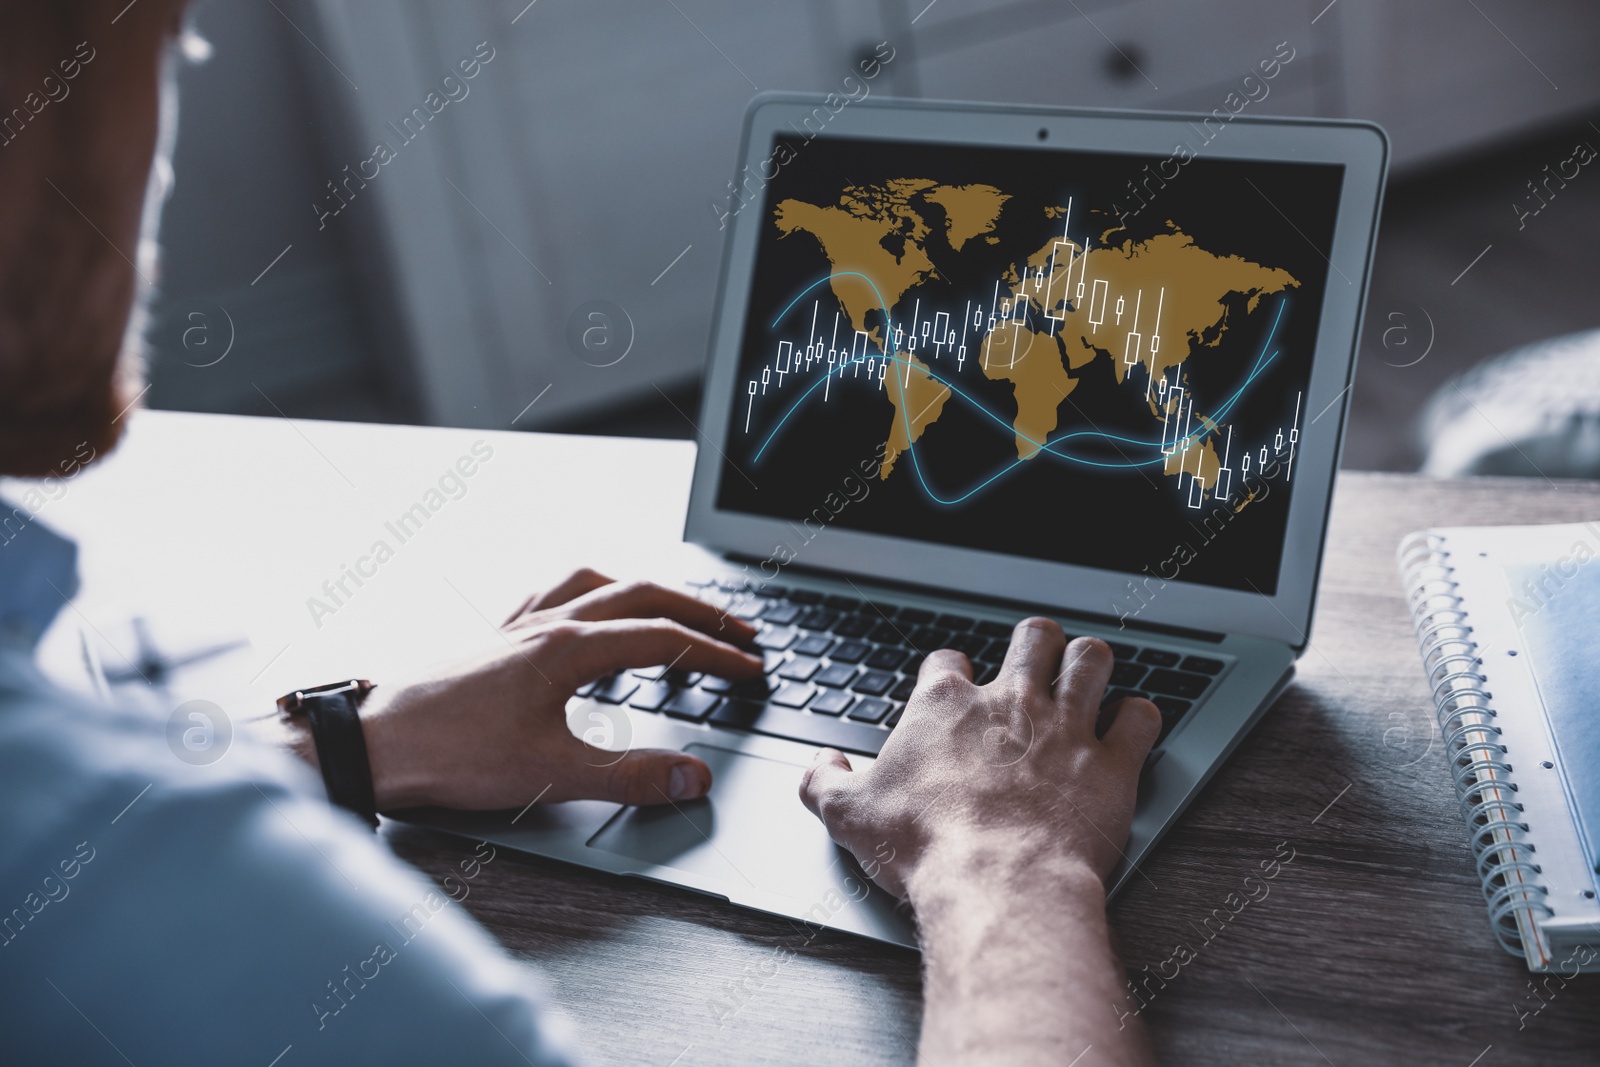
x=493, y=734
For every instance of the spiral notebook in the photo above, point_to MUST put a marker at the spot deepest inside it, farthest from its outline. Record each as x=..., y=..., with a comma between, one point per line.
x=1508, y=622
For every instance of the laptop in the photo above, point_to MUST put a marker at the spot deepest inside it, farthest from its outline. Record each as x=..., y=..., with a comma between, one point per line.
x=970, y=363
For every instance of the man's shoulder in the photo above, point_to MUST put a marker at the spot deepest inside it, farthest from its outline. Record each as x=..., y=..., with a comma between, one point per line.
x=66, y=762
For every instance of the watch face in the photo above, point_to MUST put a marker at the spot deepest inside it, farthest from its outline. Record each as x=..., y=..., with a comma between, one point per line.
x=291, y=703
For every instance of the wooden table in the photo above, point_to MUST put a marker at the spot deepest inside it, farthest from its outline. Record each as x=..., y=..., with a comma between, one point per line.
x=1373, y=945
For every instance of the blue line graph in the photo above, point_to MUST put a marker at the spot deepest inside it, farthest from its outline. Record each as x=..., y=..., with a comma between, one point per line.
x=1052, y=448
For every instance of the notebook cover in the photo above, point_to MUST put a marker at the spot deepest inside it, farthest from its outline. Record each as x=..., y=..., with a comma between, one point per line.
x=1559, y=616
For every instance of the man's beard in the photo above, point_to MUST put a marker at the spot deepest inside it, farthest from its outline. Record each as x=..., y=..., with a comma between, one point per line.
x=85, y=404
x=71, y=400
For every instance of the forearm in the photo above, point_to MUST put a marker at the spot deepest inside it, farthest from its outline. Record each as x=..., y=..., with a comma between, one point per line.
x=1018, y=966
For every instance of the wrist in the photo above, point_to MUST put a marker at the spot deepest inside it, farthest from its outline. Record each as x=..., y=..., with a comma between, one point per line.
x=1016, y=869
x=399, y=779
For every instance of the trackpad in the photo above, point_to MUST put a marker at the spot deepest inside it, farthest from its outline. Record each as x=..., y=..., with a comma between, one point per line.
x=751, y=833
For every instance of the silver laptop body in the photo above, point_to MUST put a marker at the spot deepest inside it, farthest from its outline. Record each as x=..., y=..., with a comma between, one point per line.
x=885, y=470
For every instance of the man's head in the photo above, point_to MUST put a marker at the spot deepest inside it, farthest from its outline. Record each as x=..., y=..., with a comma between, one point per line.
x=78, y=204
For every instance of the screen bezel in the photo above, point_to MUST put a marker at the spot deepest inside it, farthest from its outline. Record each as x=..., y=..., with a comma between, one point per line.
x=1362, y=148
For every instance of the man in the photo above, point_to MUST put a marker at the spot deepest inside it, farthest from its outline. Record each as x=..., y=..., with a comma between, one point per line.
x=152, y=916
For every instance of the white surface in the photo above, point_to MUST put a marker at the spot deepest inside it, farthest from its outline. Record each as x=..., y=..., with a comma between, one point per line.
x=217, y=527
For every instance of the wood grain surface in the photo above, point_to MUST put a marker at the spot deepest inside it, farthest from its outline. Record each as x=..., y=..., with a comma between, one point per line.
x=1372, y=945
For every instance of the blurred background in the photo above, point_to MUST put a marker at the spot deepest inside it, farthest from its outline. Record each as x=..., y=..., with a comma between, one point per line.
x=586, y=161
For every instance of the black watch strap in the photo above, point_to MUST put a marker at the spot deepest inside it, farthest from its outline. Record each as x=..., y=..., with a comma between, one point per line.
x=332, y=714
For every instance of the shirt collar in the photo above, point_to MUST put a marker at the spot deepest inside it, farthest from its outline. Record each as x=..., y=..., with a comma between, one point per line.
x=38, y=574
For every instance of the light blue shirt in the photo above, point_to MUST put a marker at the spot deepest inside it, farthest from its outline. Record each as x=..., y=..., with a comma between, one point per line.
x=156, y=912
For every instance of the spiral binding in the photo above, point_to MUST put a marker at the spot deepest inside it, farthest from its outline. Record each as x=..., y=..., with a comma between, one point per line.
x=1484, y=789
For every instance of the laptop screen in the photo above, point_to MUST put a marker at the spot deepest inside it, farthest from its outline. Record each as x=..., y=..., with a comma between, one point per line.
x=1087, y=358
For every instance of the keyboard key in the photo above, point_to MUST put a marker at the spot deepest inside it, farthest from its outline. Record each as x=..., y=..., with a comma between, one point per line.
x=716, y=598
x=986, y=673
x=793, y=694
x=805, y=596
x=913, y=665
x=754, y=688
x=1176, y=683
x=746, y=608
x=887, y=633
x=832, y=702
x=886, y=659
x=819, y=619
x=616, y=690
x=1203, y=665
x=800, y=669
x=781, y=614
x=903, y=690
x=894, y=717
x=771, y=660
x=915, y=616
x=870, y=709
x=970, y=644
x=650, y=674
x=712, y=684
x=874, y=683
x=651, y=696
x=836, y=675
x=840, y=603
x=853, y=626
x=850, y=652
x=1159, y=657
x=1127, y=674
x=585, y=690
x=821, y=730
x=769, y=592
x=777, y=638
x=1172, y=707
x=954, y=622
x=990, y=628
x=1172, y=710
x=929, y=638
x=995, y=653
x=1122, y=650
x=813, y=645
x=691, y=704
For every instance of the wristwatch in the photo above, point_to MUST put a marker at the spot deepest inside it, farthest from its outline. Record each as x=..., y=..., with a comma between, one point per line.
x=331, y=712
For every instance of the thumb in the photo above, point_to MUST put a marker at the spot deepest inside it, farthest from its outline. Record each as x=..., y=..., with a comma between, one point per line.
x=826, y=787
x=641, y=776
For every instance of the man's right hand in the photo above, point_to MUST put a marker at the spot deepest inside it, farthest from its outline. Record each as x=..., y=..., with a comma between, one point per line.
x=1014, y=764
x=997, y=812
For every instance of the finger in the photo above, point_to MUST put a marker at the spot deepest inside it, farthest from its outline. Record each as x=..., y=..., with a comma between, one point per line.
x=644, y=776
x=579, y=582
x=1133, y=731
x=1035, y=653
x=944, y=661
x=826, y=785
x=581, y=652
x=1081, y=678
x=647, y=600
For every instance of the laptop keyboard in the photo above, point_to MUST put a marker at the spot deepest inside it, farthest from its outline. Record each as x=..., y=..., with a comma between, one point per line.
x=840, y=669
